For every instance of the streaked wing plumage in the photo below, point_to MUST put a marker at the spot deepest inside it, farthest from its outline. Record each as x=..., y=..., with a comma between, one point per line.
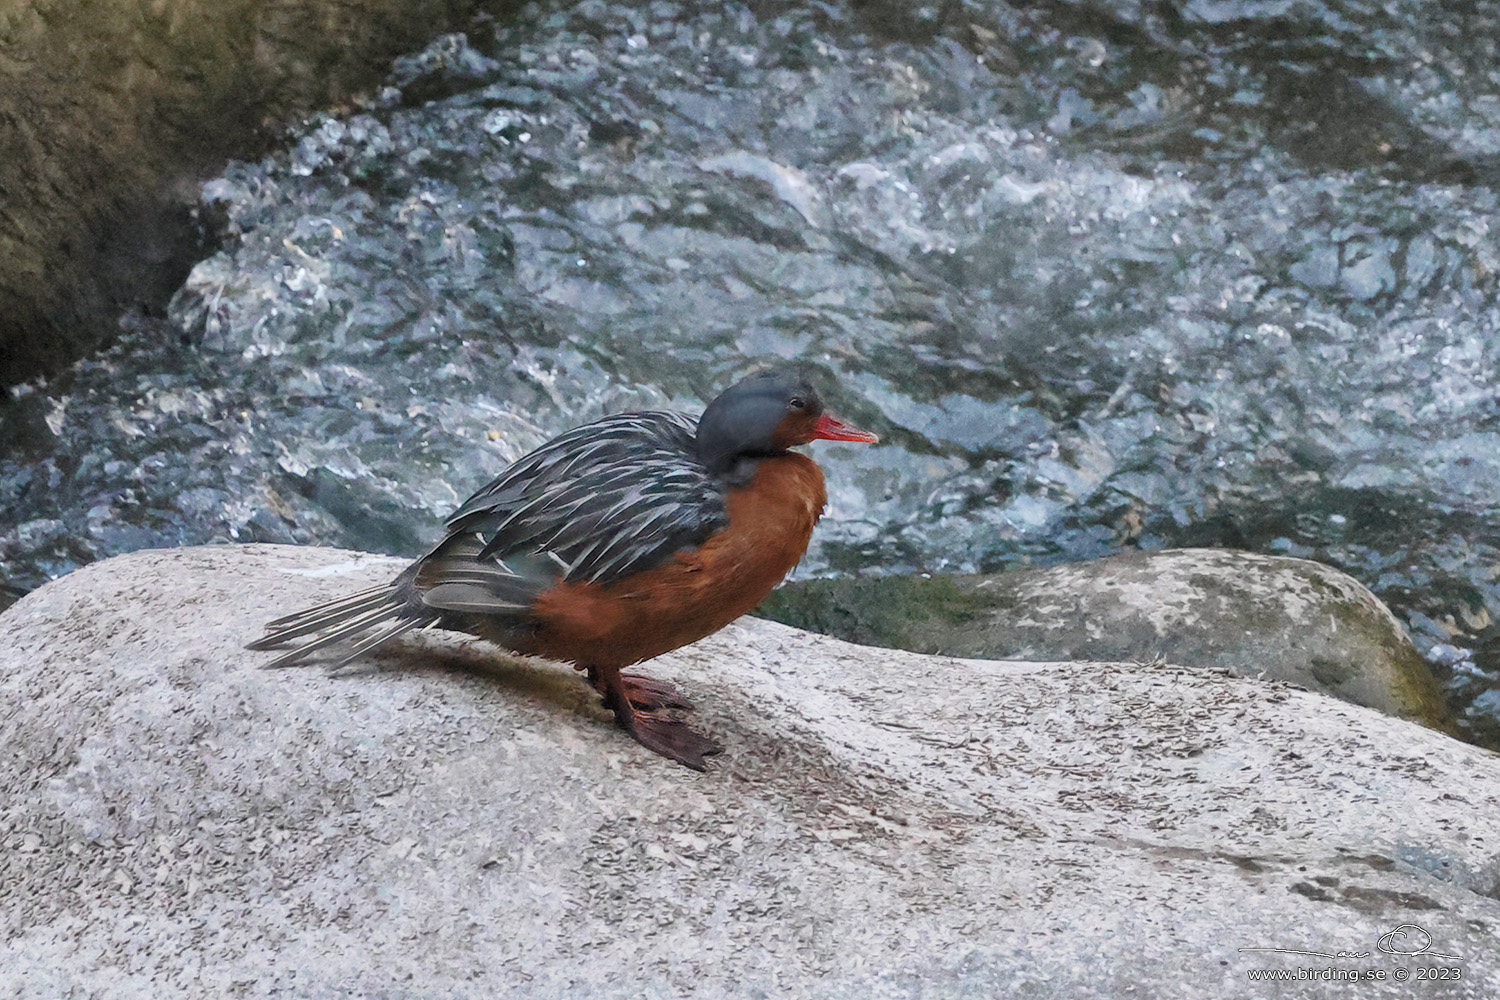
x=603, y=501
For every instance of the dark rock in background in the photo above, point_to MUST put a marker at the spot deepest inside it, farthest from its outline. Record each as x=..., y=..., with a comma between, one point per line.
x=112, y=113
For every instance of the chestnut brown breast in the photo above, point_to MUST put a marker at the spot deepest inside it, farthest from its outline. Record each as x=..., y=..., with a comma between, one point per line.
x=695, y=592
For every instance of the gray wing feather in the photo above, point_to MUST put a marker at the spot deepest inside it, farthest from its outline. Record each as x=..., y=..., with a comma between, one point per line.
x=603, y=501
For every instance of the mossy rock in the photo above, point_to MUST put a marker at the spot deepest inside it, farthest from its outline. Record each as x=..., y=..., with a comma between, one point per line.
x=1286, y=619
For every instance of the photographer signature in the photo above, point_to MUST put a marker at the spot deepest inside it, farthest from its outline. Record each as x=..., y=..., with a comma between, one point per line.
x=1407, y=939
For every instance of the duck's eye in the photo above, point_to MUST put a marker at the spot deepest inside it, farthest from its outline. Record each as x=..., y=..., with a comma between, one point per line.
x=797, y=403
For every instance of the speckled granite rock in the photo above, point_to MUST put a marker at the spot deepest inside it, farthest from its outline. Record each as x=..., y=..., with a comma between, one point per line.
x=457, y=823
x=1287, y=619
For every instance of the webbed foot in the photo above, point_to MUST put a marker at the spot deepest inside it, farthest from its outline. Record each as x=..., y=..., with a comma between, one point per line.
x=672, y=738
x=645, y=708
x=648, y=694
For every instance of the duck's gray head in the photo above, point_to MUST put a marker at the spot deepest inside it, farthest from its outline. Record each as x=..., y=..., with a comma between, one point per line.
x=765, y=414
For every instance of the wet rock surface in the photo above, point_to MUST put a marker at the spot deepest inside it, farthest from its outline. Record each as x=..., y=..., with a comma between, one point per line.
x=1260, y=616
x=1106, y=276
x=455, y=822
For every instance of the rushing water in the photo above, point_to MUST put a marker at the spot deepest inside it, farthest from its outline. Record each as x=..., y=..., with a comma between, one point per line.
x=1103, y=275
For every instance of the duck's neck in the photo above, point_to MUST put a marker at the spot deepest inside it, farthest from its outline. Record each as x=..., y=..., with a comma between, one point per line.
x=739, y=469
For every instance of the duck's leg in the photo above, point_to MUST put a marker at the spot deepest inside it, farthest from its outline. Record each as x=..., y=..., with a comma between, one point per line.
x=641, y=704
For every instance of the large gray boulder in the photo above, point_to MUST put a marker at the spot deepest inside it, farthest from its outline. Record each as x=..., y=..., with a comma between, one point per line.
x=1291, y=620
x=454, y=822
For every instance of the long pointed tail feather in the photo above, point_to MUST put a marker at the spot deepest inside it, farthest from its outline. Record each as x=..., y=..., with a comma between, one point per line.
x=284, y=630
x=370, y=618
x=378, y=639
x=320, y=610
